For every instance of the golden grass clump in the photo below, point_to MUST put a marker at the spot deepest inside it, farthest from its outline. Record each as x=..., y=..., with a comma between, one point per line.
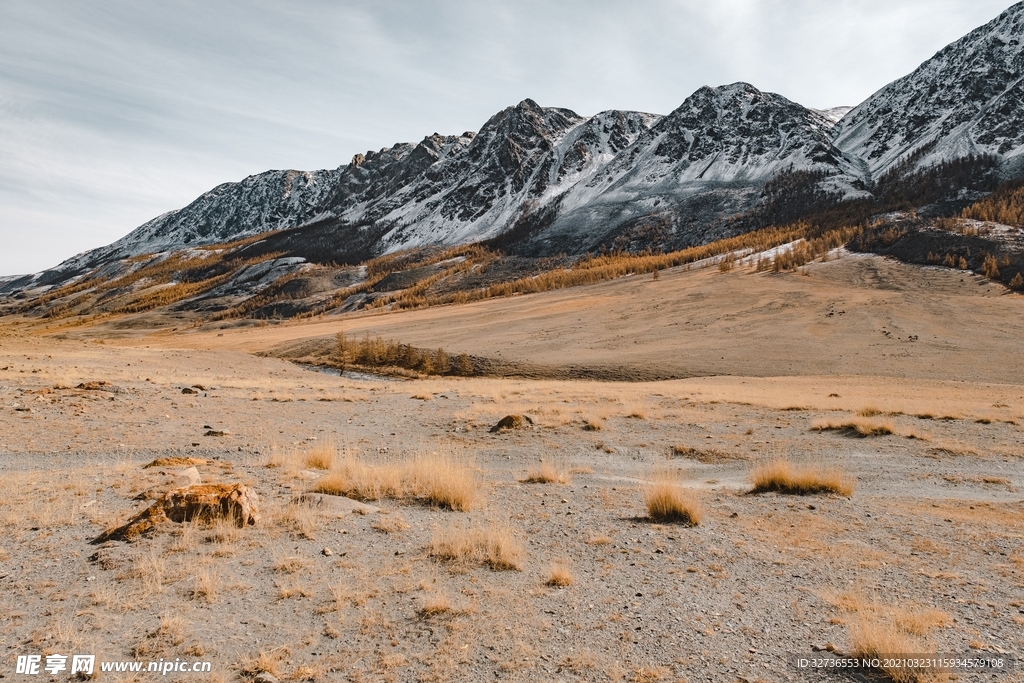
x=492, y=546
x=560, y=576
x=782, y=476
x=435, y=605
x=668, y=501
x=433, y=479
x=390, y=524
x=320, y=457
x=872, y=636
x=861, y=427
x=547, y=474
x=884, y=629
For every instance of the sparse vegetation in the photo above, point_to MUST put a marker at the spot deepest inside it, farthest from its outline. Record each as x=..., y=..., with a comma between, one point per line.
x=547, y=474
x=435, y=605
x=493, y=546
x=390, y=524
x=888, y=628
x=377, y=354
x=855, y=427
x=559, y=575
x=667, y=500
x=705, y=455
x=434, y=479
x=782, y=476
x=321, y=457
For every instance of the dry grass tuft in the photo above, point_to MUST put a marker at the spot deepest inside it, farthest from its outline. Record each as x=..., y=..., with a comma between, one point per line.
x=321, y=457
x=878, y=629
x=560, y=576
x=435, y=480
x=954, y=449
x=705, y=455
x=175, y=461
x=871, y=636
x=435, y=605
x=170, y=633
x=547, y=474
x=668, y=501
x=291, y=565
x=855, y=427
x=600, y=539
x=869, y=411
x=263, y=663
x=649, y=674
x=592, y=425
x=493, y=546
x=783, y=476
x=390, y=524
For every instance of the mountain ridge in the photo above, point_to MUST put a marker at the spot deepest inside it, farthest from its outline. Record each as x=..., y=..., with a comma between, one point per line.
x=540, y=181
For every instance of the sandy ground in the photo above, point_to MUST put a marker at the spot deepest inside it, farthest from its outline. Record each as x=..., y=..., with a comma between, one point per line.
x=931, y=536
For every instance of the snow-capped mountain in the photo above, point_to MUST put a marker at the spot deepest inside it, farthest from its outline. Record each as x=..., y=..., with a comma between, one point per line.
x=523, y=154
x=541, y=180
x=707, y=159
x=967, y=99
x=259, y=203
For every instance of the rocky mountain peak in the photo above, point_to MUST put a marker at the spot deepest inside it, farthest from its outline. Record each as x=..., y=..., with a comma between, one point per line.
x=967, y=99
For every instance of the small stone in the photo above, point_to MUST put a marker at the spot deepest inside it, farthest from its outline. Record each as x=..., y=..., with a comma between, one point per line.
x=333, y=506
x=327, y=552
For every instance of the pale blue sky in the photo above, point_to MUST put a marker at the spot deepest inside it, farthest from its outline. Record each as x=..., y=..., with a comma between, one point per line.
x=114, y=111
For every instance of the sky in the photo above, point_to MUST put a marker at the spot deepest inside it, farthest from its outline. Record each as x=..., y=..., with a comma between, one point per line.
x=115, y=111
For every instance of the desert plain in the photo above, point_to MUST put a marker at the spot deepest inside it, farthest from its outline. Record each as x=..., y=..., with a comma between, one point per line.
x=541, y=561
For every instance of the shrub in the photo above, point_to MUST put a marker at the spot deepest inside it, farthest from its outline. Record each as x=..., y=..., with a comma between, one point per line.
x=320, y=457
x=857, y=427
x=493, y=546
x=547, y=474
x=435, y=480
x=783, y=476
x=559, y=576
x=668, y=501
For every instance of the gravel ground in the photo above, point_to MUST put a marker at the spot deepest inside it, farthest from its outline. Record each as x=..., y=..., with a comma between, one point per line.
x=935, y=523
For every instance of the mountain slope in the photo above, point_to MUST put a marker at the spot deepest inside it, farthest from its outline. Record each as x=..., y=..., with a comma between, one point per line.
x=707, y=160
x=967, y=99
x=540, y=181
x=267, y=201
